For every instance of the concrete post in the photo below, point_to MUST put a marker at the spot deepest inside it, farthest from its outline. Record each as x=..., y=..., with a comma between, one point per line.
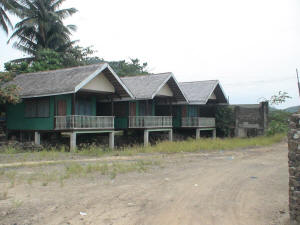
x=112, y=140
x=72, y=141
x=198, y=133
x=171, y=135
x=146, y=138
x=37, y=138
x=214, y=134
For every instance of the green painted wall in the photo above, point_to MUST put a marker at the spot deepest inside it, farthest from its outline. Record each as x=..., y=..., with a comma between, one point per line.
x=15, y=119
x=177, y=116
x=68, y=99
x=94, y=105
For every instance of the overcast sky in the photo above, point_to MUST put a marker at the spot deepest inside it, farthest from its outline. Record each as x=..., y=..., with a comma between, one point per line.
x=251, y=46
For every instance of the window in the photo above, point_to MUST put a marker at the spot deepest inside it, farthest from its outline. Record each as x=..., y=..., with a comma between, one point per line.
x=37, y=108
x=83, y=107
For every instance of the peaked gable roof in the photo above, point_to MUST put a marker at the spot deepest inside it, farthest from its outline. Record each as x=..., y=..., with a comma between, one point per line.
x=66, y=81
x=148, y=86
x=199, y=92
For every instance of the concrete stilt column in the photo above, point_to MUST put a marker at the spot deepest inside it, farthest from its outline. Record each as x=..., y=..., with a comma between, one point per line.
x=37, y=138
x=171, y=135
x=22, y=139
x=198, y=133
x=214, y=134
x=146, y=138
x=112, y=140
x=72, y=141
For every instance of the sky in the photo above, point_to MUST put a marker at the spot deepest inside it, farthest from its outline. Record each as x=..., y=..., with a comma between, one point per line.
x=251, y=46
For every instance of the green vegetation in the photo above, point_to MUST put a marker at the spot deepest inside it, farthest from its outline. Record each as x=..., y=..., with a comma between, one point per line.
x=278, y=119
x=208, y=144
x=190, y=145
x=46, y=173
x=8, y=92
x=278, y=122
x=75, y=170
x=41, y=26
x=6, y=5
x=224, y=120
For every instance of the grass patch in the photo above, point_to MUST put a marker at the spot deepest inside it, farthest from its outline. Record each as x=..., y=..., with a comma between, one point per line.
x=4, y=195
x=76, y=170
x=193, y=145
x=190, y=145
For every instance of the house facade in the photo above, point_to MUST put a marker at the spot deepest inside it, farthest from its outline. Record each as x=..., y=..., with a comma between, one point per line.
x=93, y=99
x=66, y=101
x=198, y=112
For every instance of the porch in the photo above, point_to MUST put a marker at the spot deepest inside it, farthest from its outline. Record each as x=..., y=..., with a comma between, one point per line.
x=82, y=122
x=198, y=122
x=150, y=121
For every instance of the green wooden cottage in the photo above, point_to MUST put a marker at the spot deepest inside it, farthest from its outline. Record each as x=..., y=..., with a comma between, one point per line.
x=147, y=111
x=68, y=101
x=93, y=99
x=199, y=112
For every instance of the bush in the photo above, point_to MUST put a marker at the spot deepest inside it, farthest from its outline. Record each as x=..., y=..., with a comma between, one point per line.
x=278, y=122
x=224, y=120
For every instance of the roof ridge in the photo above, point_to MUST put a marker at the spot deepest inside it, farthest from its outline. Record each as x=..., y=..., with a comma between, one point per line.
x=196, y=81
x=144, y=75
x=67, y=68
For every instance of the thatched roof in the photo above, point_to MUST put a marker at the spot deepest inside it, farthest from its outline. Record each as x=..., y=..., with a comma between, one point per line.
x=199, y=92
x=66, y=81
x=147, y=86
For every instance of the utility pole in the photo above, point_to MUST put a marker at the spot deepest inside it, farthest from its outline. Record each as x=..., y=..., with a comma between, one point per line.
x=298, y=81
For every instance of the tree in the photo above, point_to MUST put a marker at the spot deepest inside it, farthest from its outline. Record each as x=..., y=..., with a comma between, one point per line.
x=132, y=68
x=46, y=59
x=42, y=26
x=279, y=98
x=8, y=92
x=278, y=119
x=224, y=120
x=5, y=6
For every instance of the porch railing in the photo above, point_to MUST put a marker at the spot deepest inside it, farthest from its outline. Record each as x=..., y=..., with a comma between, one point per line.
x=198, y=122
x=84, y=122
x=150, y=121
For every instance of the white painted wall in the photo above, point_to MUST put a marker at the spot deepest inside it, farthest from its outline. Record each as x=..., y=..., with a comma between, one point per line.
x=165, y=91
x=100, y=83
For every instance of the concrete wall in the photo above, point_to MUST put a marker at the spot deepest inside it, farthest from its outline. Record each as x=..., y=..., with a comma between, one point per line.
x=294, y=169
x=251, y=118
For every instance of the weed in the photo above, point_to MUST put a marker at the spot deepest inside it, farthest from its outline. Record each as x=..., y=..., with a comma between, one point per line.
x=11, y=177
x=4, y=195
x=17, y=203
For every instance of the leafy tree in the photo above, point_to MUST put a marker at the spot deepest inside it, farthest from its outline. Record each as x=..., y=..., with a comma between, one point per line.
x=42, y=26
x=278, y=122
x=279, y=98
x=132, y=68
x=224, y=120
x=8, y=92
x=46, y=59
x=79, y=56
x=278, y=119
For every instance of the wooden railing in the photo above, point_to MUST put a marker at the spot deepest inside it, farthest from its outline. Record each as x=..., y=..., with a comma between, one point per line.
x=198, y=122
x=150, y=121
x=84, y=122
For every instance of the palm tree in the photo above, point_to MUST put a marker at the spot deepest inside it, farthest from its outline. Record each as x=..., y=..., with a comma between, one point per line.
x=42, y=25
x=5, y=5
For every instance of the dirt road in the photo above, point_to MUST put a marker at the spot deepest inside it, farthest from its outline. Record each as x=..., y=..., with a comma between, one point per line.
x=242, y=187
